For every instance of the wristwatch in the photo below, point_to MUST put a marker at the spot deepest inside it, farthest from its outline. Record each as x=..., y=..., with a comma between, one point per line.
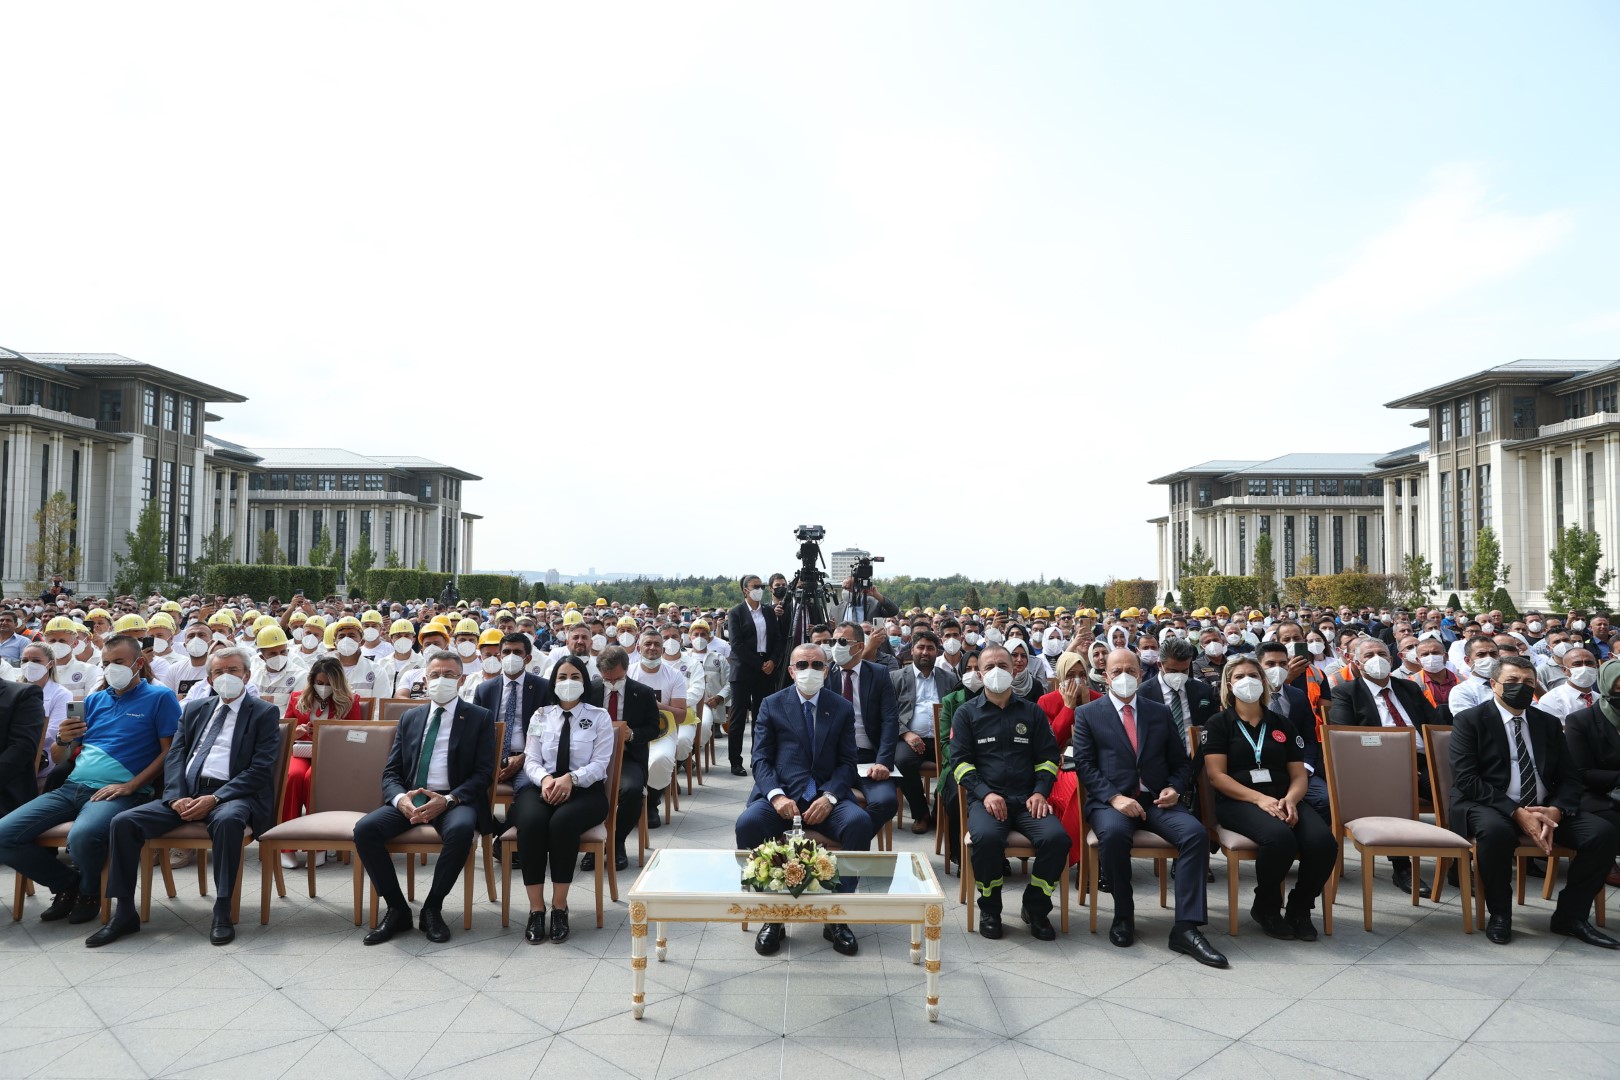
x=451, y=802
x=832, y=800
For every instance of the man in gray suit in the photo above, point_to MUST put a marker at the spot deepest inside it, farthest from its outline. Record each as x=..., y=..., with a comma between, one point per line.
x=918, y=687
x=863, y=605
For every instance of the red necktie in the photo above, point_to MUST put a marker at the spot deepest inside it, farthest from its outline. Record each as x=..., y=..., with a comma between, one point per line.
x=1394, y=714
x=613, y=705
x=1128, y=716
x=1586, y=698
x=849, y=687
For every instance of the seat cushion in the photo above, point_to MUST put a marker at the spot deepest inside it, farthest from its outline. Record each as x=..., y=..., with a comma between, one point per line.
x=503, y=791
x=1143, y=839
x=191, y=830
x=416, y=834
x=326, y=827
x=1234, y=841
x=1402, y=832
x=1015, y=839
x=595, y=835
x=55, y=836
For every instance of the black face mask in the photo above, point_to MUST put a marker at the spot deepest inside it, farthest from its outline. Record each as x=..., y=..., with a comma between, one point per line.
x=779, y=591
x=1614, y=698
x=1518, y=695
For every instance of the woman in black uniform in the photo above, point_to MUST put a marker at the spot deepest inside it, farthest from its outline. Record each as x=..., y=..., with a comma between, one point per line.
x=1254, y=760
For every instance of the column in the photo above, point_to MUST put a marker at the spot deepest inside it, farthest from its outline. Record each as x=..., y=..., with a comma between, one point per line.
x=1611, y=502
x=1522, y=523
x=1549, y=512
x=243, y=540
x=23, y=495
x=1575, y=490
x=1392, y=539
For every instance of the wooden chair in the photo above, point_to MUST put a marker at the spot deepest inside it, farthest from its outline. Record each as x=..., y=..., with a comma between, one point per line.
x=423, y=840
x=193, y=836
x=598, y=841
x=1437, y=740
x=346, y=790
x=1018, y=847
x=389, y=710
x=54, y=837
x=1145, y=845
x=1373, y=792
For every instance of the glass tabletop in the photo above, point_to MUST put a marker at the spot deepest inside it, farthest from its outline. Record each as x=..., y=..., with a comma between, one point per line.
x=720, y=872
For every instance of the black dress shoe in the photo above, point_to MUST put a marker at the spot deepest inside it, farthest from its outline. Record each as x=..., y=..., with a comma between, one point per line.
x=1123, y=933
x=588, y=863
x=1402, y=877
x=1272, y=924
x=85, y=909
x=842, y=938
x=535, y=930
x=1195, y=945
x=738, y=770
x=990, y=925
x=114, y=930
x=621, y=861
x=1301, y=925
x=655, y=820
x=1583, y=931
x=1498, y=929
x=61, y=906
x=559, y=925
x=431, y=922
x=394, y=921
x=769, y=938
x=222, y=932
x=1040, y=927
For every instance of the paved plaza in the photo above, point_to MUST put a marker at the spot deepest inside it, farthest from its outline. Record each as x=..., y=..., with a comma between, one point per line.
x=303, y=998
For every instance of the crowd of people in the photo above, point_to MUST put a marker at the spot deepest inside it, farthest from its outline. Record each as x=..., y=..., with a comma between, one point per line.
x=127, y=718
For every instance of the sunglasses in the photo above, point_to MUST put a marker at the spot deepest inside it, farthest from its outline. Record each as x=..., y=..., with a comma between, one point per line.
x=815, y=665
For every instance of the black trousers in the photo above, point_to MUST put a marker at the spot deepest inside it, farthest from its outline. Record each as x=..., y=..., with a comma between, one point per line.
x=1309, y=840
x=908, y=761
x=547, y=833
x=990, y=852
x=226, y=823
x=746, y=695
x=632, y=793
x=948, y=811
x=456, y=827
x=1495, y=836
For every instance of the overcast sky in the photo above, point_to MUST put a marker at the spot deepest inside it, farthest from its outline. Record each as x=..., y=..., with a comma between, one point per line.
x=953, y=280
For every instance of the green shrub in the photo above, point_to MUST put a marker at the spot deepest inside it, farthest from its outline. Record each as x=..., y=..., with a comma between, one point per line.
x=1217, y=590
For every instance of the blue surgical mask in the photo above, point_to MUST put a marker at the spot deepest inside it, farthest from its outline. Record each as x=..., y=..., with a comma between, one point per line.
x=894, y=641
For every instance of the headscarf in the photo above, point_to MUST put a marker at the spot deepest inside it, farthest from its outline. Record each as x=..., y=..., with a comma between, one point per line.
x=1066, y=662
x=1608, y=679
x=1024, y=680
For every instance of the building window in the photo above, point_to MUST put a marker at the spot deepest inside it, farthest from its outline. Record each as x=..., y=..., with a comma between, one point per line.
x=1265, y=524
x=1606, y=398
x=149, y=478
x=292, y=538
x=374, y=481
x=1465, y=525
x=342, y=537
x=1465, y=417
x=1327, y=487
x=1445, y=422
x=1591, y=496
x=44, y=474
x=149, y=407
x=427, y=489
x=365, y=525
x=1558, y=490
x=1281, y=488
x=303, y=481
x=1448, y=535
x=168, y=412
x=315, y=517
x=1375, y=486
x=255, y=482
x=1338, y=544
x=1288, y=545
x=73, y=497
x=1305, y=487
x=111, y=409
x=1352, y=488
x=1484, y=412
x=350, y=481
x=1524, y=415
x=1574, y=405
x=183, y=553
x=1311, y=543
x=166, y=506
x=1484, y=474
x=61, y=397
x=1361, y=543
x=388, y=531
x=1203, y=493
x=326, y=481
x=1243, y=545
x=1257, y=487
x=28, y=390
x=188, y=416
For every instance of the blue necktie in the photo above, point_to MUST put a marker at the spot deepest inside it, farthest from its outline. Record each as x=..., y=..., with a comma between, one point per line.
x=810, y=744
x=211, y=735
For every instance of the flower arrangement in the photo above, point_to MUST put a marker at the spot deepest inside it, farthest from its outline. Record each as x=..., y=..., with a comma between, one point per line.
x=792, y=865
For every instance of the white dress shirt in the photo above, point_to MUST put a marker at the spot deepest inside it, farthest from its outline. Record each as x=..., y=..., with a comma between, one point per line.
x=1470, y=692
x=1515, y=781
x=921, y=720
x=217, y=765
x=759, y=629
x=1565, y=699
x=590, y=743
x=1384, y=716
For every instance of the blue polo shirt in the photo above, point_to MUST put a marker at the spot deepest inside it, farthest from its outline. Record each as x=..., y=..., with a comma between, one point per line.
x=122, y=733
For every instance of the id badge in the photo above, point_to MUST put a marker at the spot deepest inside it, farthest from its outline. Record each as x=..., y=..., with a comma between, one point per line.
x=1259, y=776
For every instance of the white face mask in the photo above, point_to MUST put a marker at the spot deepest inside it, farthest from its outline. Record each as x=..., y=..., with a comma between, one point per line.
x=568, y=691
x=1276, y=676
x=953, y=646
x=1124, y=685
x=1053, y=647
x=61, y=650
x=228, y=687
x=1215, y=648
x=1410, y=656
x=993, y=636
x=841, y=653
x=1578, y=625
x=756, y=595
x=347, y=646
x=1376, y=668
x=672, y=647
x=1175, y=680
x=1561, y=648
x=160, y=645
x=196, y=647
x=371, y=634
x=491, y=665
x=1535, y=628
x=971, y=637
x=442, y=690
x=1150, y=656
x=997, y=680
x=1247, y=688
x=1486, y=667
x=1316, y=648
x=598, y=642
x=323, y=690
x=626, y=638
x=223, y=639
x=512, y=664
x=652, y=664
x=1433, y=663
x=275, y=663
x=1581, y=678
x=972, y=681
x=700, y=643
x=402, y=647
x=466, y=649
x=118, y=676
x=1233, y=639
x=33, y=671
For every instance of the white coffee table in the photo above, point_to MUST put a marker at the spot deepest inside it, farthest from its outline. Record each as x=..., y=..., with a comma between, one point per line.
x=705, y=886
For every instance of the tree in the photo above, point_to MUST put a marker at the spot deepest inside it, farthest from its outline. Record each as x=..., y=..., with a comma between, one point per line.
x=391, y=560
x=142, y=566
x=971, y=600
x=54, y=552
x=649, y=596
x=1265, y=569
x=216, y=549
x=270, y=553
x=1197, y=564
x=421, y=563
x=1023, y=599
x=1418, y=575
x=1576, y=584
x=1305, y=566
x=1488, y=572
x=1091, y=596
x=321, y=553
x=362, y=558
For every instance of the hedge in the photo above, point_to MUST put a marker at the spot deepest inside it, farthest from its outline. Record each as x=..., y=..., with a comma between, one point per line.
x=485, y=586
x=1219, y=590
x=1348, y=590
x=408, y=584
x=312, y=581
x=260, y=581
x=1136, y=593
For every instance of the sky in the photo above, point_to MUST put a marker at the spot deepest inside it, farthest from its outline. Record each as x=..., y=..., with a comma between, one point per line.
x=953, y=280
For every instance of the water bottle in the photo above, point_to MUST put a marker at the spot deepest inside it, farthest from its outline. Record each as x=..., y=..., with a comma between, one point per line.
x=798, y=828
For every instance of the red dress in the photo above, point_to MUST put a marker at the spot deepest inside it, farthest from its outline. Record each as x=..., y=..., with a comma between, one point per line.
x=1064, y=802
x=296, y=798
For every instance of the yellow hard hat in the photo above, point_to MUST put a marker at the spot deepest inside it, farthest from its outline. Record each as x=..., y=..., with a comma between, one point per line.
x=700, y=624
x=494, y=601
x=130, y=624
x=572, y=618
x=401, y=626
x=348, y=622
x=331, y=634
x=251, y=615
x=1040, y=613
x=58, y=624
x=221, y=618
x=570, y=606
x=626, y=622
x=271, y=636
x=512, y=607
x=371, y=618
x=297, y=618
x=99, y=613
x=600, y=602
x=1023, y=613
x=434, y=627
x=1060, y=611
x=490, y=637
x=1223, y=610
x=1130, y=613
x=263, y=621
x=466, y=626
x=1201, y=613
x=161, y=621
x=315, y=622
x=170, y=606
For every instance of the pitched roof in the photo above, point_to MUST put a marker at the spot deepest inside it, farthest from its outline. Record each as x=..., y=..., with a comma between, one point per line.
x=1533, y=372
x=89, y=363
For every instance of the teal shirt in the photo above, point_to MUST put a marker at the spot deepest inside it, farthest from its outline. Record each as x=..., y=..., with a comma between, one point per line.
x=123, y=734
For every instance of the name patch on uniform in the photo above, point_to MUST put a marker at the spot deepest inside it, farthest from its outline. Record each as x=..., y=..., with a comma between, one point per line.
x=991, y=739
x=1016, y=739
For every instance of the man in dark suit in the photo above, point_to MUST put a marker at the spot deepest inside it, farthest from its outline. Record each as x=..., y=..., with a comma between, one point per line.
x=1135, y=769
x=438, y=773
x=804, y=764
x=1190, y=701
x=635, y=705
x=22, y=722
x=867, y=688
x=918, y=687
x=1370, y=697
x=754, y=636
x=1294, y=705
x=1511, y=774
x=512, y=699
x=219, y=772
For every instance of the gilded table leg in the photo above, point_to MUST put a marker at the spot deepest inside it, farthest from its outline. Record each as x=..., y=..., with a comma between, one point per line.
x=916, y=943
x=931, y=932
x=638, y=957
x=662, y=943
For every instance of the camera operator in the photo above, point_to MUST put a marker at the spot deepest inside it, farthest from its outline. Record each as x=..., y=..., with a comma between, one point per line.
x=756, y=638
x=863, y=604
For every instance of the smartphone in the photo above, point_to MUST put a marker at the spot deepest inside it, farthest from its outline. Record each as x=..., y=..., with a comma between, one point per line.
x=1299, y=648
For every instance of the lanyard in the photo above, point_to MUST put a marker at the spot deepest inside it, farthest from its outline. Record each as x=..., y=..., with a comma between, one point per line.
x=1254, y=744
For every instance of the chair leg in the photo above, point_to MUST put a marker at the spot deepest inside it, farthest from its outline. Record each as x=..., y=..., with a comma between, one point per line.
x=488, y=844
x=1328, y=896
x=599, y=861
x=202, y=871
x=410, y=875
x=1479, y=893
x=1092, y=858
x=146, y=883
x=1366, y=890
x=309, y=857
x=1063, y=897
x=506, y=885
x=1439, y=879
x=106, y=901
x=1602, y=907
x=281, y=881
x=1547, y=883
x=168, y=874
x=969, y=886
x=17, y=898
x=1467, y=881
x=236, y=890
x=467, y=888
x=267, y=856
x=358, y=875
x=641, y=836
x=373, y=892
x=1163, y=869
x=1417, y=879
x=612, y=872
x=1231, y=892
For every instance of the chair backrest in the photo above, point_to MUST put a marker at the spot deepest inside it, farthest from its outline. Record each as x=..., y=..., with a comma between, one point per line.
x=391, y=709
x=1206, y=790
x=283, y=760
x=1371, y=772
x=346, y=764
x=1437, y=747
x=368, y=710
x=615, y=768
x=495, y=776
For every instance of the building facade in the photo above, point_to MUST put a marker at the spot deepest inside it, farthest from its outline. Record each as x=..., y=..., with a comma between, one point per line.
x=114, y=434
x=840, y=563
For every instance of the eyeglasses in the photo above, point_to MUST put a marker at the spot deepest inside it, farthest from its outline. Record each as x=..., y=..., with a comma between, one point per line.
x=815, y=665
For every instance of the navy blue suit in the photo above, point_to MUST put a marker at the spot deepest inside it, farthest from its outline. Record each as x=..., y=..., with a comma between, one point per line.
x=786, y=758
x=1107, y=766
x=881, y=718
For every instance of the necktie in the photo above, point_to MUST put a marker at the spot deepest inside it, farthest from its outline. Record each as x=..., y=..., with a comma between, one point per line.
x=565, y=745
x=810, y=742
x=1586, y=699
x=1389, y=703
x=429, y=737
x=1176, y=713
x=1527, y=767
x=1127, y=716
x=849, y=687
x=513, y=690
x=205, y=744
x=613, y=706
